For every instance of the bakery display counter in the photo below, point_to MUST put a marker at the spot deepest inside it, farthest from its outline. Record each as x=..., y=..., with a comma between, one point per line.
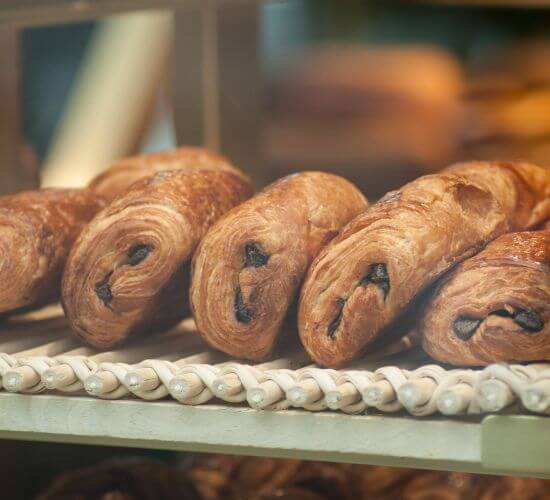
x=111, y=369
x=501, y=444
x=171, y=392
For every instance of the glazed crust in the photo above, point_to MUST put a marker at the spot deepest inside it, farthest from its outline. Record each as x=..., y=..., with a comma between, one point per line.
x=248, y=268
x=368, y=277
x=37, y=229
x=495, y=306
x=128, y=270
x=120, y=176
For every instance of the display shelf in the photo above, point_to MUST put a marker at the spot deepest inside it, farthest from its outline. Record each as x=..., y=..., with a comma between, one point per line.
x=38, y=354
x=465, y=445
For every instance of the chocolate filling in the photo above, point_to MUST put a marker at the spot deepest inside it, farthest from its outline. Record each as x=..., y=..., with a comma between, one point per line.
x=529, y=320
x=138, y=253
x=103, y=289
x=255, y=255
x=378, y=274
x=335, y=323
x=464, y=327
x=242, y=313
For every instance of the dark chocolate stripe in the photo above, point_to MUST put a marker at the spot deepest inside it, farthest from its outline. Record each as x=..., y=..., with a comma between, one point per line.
x=138, y=253
x=378, y=274
x=464, y=327
x=256, y=256
x=242, y=313
x=103, y=289
x=530, y=321
x=335, y=323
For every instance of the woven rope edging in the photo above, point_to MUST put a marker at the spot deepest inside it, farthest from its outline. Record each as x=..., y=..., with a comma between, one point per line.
x=286, y=383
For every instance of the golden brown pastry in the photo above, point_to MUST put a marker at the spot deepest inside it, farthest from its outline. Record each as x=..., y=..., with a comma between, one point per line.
x=225, y=477
x=220, y=477
x=510, y=488
x=123, y=479
x=247, y=270
x=228, y=477
x=37, y=229
x=128, y=270
x=495, y=306
x=120, y=176
x=438, y=485
x=331, y=107
x=366, y=279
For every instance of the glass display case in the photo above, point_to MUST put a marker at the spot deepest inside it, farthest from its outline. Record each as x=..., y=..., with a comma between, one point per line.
x=380, y=114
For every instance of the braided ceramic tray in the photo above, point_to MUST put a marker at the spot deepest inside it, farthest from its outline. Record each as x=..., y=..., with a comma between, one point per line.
x=37, y=354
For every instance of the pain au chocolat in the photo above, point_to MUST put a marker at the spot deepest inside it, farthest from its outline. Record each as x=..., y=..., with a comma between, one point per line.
x=37, y=229
x=248, y=268
x=364, y=282
x=128, y=270
x=494, y=306
x=122, y=174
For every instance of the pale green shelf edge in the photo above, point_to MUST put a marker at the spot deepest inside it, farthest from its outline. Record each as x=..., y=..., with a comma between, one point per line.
x=384, y=440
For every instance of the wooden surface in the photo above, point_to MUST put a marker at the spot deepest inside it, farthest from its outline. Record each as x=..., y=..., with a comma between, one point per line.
x=12, y=176
x=510, y=443
x=384, y=440
x=193, y=49
x=217, y=82
x=240, y=86
x=166, y=425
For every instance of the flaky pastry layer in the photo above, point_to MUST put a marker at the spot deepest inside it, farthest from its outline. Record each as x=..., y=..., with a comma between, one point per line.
x=128, y=270
x=367, y=278
x=495, y=306
x=248, y=268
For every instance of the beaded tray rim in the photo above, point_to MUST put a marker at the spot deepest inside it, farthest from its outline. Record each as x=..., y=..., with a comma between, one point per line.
x=38, y=355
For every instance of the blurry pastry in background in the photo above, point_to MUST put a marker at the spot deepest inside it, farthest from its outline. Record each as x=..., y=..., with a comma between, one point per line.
x=536, y=150
x=219, y=477
x=527, y=60
x=520, y=116
x=507, y=104
x=440, y=485
x=378, y=115
x=225, y=477
x=122, y=479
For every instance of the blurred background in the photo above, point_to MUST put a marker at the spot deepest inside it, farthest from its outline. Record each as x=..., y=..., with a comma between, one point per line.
x=380, y=92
